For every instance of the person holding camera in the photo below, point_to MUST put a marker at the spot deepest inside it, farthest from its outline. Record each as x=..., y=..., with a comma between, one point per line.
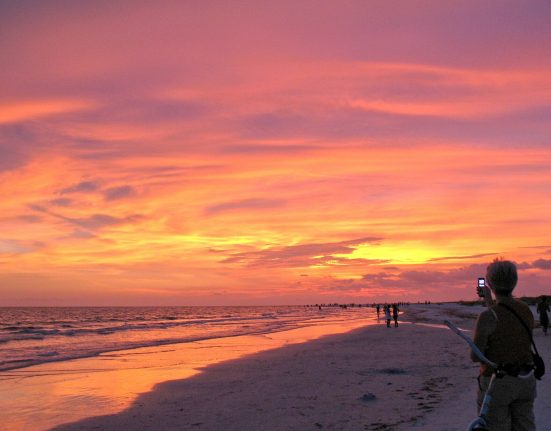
x=504, y=340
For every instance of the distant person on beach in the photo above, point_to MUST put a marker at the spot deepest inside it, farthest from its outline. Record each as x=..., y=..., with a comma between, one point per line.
x=395, y=311
x=505, y=341
x=378, y=307
x=387, y=315
x=543, y=308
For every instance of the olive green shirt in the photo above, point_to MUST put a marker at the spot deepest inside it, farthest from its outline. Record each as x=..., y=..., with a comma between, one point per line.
x=500, y=335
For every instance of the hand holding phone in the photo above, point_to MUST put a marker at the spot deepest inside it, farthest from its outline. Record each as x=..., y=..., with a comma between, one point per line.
x=480, y=289
x=484, y=292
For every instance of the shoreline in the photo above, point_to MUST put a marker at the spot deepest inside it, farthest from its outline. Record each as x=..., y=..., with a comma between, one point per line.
x=371, y=378
x=45, y=395
x=416, y=376
x=53, y=356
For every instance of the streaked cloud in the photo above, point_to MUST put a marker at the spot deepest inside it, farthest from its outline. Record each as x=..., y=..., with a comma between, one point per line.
x=121, y=192
x=542, y=264
x=61, y=202
x=30, y=218
x=80, y=234
x=13, y=246
x=452, y=258
x=82, y=187
x=25, y=111
x=269, y=148
x=93, y=221
x=303, y=255
x=246, y=204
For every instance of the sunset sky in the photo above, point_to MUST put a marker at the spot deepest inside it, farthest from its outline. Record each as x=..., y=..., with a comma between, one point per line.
x=272, y=152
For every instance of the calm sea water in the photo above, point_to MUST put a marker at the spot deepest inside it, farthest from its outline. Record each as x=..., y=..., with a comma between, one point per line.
x=34, y=335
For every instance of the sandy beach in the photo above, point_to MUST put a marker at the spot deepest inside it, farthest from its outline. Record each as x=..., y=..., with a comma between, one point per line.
x=416, y=376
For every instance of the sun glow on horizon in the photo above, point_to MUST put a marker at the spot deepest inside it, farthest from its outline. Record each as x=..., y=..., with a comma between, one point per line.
x=402, y=253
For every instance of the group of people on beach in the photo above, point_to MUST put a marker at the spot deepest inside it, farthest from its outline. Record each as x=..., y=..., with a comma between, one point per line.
x=387, y=312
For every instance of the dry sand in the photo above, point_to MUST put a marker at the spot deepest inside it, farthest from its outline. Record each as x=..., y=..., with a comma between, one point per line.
x=414, y=377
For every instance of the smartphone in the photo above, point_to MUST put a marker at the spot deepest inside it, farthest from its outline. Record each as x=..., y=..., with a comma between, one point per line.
x=480, y=286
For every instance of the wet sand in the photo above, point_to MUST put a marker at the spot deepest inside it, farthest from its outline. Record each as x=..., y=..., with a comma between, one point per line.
x=43, y=396
x=374, y=378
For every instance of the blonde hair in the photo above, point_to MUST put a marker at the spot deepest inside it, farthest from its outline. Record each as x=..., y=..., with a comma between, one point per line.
x=502, y=276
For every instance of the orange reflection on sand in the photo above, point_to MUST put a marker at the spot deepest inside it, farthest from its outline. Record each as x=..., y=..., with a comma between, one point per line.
x=47, y=395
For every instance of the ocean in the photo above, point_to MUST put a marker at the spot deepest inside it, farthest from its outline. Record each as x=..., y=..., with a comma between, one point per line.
x=35, y=335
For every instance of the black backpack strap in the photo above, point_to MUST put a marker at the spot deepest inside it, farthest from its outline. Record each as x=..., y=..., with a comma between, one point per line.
x=523, y=324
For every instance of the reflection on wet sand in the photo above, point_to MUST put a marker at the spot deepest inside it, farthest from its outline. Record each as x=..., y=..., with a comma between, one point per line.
x=46, y=395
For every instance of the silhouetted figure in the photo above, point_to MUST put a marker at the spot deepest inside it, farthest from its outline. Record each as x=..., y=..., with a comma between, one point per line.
x=395, y=314
x=543, y=308
x=387, y=315
x=378, y=307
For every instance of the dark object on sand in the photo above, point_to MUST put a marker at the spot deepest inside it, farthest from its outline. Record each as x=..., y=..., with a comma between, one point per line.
x=393, y=371
x=368, y=397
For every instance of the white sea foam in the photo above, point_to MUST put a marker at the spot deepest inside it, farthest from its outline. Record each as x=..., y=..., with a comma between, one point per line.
x=30, y=336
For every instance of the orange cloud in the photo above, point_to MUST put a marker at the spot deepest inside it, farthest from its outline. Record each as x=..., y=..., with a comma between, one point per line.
x=19, y=111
